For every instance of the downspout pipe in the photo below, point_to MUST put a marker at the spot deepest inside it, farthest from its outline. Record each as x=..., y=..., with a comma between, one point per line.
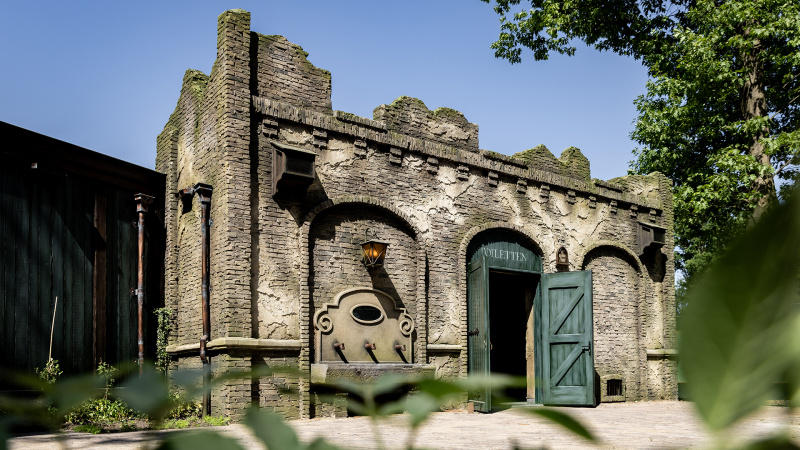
x=204, y=195
x=203, y=192
x=142, y=202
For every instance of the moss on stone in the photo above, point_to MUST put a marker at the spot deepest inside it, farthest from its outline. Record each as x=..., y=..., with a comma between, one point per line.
x=494, y=155
x=575, y=164
x=444, y=112
x=197, y=83
x=404, y=100
x=300, y=52
x=534, y=156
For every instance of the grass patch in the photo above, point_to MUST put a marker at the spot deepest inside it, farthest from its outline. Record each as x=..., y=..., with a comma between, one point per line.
x=88, y=428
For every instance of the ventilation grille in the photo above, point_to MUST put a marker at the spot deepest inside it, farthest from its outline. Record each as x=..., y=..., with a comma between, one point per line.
x=613, y=387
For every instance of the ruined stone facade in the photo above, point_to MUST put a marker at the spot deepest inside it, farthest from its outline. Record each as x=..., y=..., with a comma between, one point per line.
x=418, y=180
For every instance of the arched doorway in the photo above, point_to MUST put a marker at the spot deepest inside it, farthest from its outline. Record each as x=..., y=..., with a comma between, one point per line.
x=523, y=322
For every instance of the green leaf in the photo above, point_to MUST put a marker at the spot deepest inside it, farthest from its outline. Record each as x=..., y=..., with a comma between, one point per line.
x=321, y=444
x=5, y=435
x=773, y=443
x=200, y=440
x=389, y=383
x=272, y=430
x=493, y=381
x=68, y=393
x=738, y=332
x=420, y=406
x=568, y=422
x=439, y=389
x=147, y=392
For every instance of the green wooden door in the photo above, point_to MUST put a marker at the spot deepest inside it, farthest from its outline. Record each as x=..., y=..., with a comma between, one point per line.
x=478, y=325
x=567, y=371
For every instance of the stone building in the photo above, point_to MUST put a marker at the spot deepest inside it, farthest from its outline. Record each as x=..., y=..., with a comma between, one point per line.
x=482, y=248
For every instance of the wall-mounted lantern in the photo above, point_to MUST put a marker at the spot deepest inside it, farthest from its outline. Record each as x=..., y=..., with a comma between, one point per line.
x=562, y=259
x=374, y=251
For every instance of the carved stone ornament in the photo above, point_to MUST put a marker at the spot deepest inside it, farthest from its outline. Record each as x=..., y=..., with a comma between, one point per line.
x=363, y=325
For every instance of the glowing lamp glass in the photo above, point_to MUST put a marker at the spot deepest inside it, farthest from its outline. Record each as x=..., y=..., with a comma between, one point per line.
x=374, y=253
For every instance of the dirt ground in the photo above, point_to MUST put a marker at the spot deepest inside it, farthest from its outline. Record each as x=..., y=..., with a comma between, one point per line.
x=639, y=425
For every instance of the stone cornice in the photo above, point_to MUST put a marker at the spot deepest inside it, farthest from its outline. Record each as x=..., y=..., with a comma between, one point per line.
x=375, y=131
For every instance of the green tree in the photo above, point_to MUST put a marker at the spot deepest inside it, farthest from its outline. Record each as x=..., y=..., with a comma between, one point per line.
x=720, y=116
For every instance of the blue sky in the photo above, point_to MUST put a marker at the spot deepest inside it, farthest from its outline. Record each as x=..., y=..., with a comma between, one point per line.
x=106, y=75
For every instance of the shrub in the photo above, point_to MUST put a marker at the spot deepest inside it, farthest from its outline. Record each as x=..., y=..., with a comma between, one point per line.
x=101, y=410
x=51, y=371
x=216, y=421
x=184, y=409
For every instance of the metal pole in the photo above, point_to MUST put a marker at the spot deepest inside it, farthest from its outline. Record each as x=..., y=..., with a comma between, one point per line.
x=204, y=196
x=142, y=201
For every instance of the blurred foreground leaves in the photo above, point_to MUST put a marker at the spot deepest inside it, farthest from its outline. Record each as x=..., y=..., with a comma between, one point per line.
x=740, y=336
x=740, y=333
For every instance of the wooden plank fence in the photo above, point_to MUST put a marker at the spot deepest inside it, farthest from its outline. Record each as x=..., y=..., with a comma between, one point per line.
x=71, y=235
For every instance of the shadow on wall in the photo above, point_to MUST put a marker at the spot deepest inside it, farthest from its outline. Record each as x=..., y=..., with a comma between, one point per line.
x=299, y=204
x=383, y=282
x=655, y=261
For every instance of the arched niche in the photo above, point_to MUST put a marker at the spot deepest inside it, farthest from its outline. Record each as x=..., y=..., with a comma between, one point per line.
x=619, y=333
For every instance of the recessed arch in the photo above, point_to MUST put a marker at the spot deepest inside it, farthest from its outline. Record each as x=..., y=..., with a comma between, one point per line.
x=634, y=260
x=354, y=200
x=621, y=314
x=420, y=350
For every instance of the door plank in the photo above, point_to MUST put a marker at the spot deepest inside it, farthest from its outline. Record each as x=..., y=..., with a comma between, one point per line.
x=478, y=319
x=568, y=370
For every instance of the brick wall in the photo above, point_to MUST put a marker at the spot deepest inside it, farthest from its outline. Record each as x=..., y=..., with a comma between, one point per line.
x=284, y=73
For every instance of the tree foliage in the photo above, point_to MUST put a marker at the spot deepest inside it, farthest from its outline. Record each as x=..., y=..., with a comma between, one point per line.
x=720, y=116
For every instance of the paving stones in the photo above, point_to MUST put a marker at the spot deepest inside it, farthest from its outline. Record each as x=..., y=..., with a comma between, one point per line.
x=634, y=425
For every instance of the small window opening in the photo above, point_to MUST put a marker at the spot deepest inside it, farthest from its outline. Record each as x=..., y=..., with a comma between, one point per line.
x=613, y=387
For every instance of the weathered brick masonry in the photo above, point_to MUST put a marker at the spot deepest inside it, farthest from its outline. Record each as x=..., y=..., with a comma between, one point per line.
x=419, y=180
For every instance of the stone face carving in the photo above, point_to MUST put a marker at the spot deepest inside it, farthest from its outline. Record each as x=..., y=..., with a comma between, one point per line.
x=368, y=324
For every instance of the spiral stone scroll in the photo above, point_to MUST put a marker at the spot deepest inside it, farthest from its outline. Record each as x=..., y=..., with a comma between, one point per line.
x=406, y=324
x=322, y=321
x=363, y=325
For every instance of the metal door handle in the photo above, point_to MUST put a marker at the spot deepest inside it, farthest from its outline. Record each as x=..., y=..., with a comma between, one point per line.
x=472, y=332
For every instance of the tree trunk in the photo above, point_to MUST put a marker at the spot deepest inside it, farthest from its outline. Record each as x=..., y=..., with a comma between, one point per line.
x=754, y=105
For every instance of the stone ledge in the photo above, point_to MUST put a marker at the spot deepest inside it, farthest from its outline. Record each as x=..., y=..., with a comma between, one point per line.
x=333, y=372
x=352, y=118
x=445, y=348
x=662, y=353
x=223, y=344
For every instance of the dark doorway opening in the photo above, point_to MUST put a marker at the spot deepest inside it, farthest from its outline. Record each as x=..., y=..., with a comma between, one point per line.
x=511, y=325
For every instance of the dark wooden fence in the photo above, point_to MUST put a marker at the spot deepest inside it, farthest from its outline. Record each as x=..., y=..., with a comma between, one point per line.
x=67, y=230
